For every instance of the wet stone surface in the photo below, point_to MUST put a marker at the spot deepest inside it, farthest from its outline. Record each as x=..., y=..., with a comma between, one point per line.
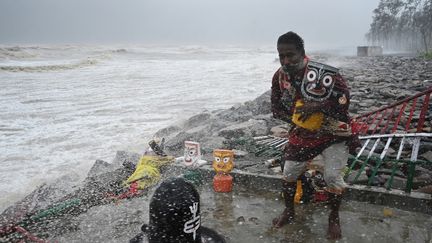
x=245, y=216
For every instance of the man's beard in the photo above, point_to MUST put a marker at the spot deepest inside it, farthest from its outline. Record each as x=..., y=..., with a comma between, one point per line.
x=292, y=69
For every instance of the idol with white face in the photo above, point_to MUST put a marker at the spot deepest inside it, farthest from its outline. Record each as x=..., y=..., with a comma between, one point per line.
x=192, y=153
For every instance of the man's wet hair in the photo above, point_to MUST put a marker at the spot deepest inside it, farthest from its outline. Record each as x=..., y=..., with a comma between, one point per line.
x=170, y=209
x=292, y=38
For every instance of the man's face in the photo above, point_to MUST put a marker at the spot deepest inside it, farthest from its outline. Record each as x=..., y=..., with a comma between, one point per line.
x=290, y=58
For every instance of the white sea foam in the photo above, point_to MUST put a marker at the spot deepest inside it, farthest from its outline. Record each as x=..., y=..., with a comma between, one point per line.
x=48, y=67
x=60, y=112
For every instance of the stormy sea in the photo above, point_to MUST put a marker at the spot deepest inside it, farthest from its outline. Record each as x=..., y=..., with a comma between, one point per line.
x=64, y=106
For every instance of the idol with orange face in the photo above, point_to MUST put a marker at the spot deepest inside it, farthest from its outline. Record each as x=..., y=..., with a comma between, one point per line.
x=223, y=161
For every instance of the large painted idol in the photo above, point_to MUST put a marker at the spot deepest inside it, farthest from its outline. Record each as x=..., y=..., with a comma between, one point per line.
x=318, y=81
x=317, y=85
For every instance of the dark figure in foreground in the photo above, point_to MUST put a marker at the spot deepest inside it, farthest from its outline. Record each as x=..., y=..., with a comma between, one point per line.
x=314, y=99
x=174, y=216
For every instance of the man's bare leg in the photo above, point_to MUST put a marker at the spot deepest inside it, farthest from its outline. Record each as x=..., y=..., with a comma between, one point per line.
x=334, y=230
x=287, y=216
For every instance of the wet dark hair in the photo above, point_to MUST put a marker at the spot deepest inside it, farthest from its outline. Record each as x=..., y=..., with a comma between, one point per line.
x=174, y=216
x=169, y=211
x=292, y=38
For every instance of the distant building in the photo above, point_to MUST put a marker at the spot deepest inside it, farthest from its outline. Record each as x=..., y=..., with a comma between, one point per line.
x=366, y=51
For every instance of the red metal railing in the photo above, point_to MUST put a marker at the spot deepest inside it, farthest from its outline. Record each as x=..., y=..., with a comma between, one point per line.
x=407, y=115
x=401, y=123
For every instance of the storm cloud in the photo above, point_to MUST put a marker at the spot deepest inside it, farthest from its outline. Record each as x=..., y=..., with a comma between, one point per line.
x=324, y=23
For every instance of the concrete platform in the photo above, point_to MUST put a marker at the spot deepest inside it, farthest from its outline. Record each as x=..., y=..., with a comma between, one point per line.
x=414, y=201
x=245, y=214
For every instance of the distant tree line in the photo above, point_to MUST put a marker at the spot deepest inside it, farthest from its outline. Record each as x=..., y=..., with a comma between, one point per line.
x=402, y=25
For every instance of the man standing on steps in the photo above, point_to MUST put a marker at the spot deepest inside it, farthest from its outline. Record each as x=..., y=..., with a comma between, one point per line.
x=314, y=99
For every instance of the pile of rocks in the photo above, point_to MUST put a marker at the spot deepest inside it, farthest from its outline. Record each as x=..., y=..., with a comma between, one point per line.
x=379, y=81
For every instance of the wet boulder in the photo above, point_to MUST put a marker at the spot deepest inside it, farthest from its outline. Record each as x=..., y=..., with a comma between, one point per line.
x=249, y=128
x=126, y=159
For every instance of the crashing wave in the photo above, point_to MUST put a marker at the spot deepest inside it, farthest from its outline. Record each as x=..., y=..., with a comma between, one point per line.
x=15, y=52
x=47, y=68
x=121, y=50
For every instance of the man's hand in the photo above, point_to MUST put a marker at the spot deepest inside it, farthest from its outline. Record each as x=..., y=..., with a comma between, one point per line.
x=307, y=109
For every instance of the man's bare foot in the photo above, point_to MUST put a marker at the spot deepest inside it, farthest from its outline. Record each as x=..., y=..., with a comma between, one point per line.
x=334, y=231
x=286, y=217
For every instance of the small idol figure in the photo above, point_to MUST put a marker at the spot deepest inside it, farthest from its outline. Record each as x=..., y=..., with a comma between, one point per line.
x=223, y=163
x=192, y=155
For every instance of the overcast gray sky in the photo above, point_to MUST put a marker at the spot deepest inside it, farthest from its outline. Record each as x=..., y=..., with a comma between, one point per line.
x=327, y=23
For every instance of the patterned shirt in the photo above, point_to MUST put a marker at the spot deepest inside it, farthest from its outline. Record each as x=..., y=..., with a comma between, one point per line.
x=304, y=144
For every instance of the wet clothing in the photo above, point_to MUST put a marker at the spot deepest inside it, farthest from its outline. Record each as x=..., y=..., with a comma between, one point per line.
x=326, y=146
x=330, y=163
x=304, y=144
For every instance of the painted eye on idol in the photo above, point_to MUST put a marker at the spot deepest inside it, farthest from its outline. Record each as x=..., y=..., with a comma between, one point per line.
x=217, y=159
x=226, y=160
x=311, y=75
x=327, y=80
x=191, y=152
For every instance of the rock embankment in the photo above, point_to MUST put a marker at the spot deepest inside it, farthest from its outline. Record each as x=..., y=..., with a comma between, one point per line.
x=379, y=81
